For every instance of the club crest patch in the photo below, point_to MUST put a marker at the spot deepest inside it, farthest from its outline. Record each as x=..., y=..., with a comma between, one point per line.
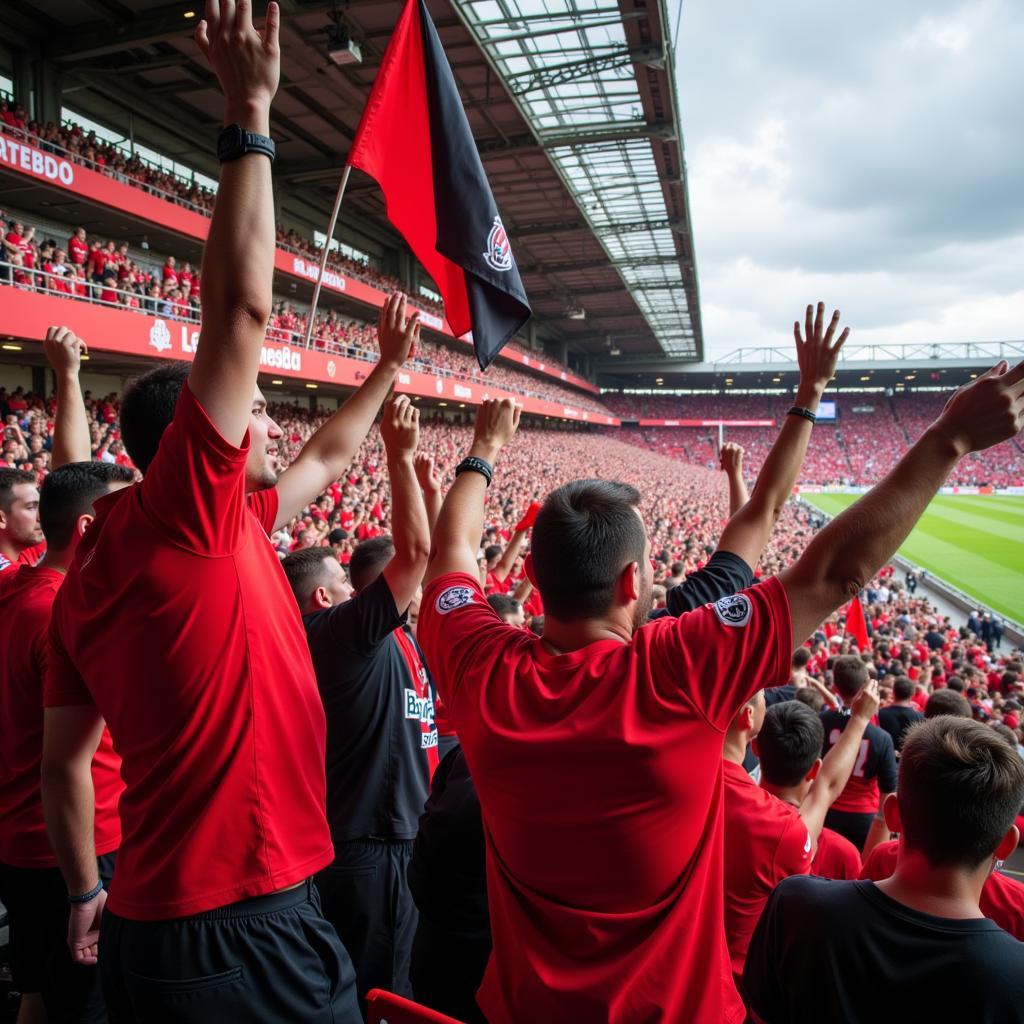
x=452, y=598
x=499, y=252
x=733, y=610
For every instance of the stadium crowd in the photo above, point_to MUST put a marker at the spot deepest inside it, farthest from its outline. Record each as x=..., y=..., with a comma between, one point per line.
x=529, y=725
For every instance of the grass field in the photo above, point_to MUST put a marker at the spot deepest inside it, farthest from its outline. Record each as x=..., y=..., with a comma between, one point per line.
x=975, y=542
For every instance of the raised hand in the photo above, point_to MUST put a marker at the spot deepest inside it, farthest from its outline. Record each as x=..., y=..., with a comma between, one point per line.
x=247, y=62
x=400, y=427
x=816, y=354
x=497, y=420
x=397, y=335
x=987, y=411
x=427, y=474
x=730, y=458
x=64, y=350
x=865, y=704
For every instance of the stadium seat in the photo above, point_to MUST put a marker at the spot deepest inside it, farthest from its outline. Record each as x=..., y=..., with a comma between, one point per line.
x=387, y=1008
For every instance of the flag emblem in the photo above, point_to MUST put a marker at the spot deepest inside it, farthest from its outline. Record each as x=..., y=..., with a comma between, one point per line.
x=499, y=252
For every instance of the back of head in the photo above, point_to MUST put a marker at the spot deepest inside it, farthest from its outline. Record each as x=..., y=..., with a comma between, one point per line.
x=504, y=606
x=147, y=408
x=849, y=674
x=947, y=702
x=811, y=697
x=955, y=683
x=677, y=569
x=305, y=572
x=586, y=533
x=69, y=492
x=960, y=789
x=801, y=657
x=903, y=688
x=790, y=741
x=368, y=561
x=9, y=479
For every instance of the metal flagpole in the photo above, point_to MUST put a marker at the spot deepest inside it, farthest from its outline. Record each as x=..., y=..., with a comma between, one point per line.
x=327, y=248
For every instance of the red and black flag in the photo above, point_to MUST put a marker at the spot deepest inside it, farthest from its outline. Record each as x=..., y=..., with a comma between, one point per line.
x=414, y=139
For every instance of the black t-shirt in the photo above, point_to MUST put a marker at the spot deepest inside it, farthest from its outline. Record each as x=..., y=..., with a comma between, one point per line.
x=447, y=872
x=377, y=774
x=878, y=762
x=724, y=575
x=896, y=720
x=935, y=641
x=844, y=951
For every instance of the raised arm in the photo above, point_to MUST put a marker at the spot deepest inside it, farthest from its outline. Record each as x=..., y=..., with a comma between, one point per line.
x=856, y=544
x=839, y=762
x=730, y=458
x=238, y=259
x=509, y=556
x=410, y=532
x=70, y=738
x=71, y=441
x=430, y=484
x=747, y=532
x=330, y=451
x=457, y=534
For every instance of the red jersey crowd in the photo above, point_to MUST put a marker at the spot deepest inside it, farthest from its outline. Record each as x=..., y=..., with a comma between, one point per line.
x=309, y=714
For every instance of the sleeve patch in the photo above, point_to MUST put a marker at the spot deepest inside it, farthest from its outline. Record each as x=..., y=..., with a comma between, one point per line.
x=453, y=597
x=733, y=610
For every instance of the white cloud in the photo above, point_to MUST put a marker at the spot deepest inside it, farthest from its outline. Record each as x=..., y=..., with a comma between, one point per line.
x=867, y=155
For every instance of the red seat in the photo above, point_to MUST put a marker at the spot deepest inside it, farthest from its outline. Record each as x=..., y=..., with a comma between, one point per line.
x=387, y=1008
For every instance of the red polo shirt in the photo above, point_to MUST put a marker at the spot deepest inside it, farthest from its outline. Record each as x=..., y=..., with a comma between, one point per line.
x=600, y=780
x=766, y=841
x=177, y=621
x=835, y=857
x=1002, y=898
x=26, y=598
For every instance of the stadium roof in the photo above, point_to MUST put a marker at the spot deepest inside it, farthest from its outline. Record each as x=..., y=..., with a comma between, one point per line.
x=572, y=104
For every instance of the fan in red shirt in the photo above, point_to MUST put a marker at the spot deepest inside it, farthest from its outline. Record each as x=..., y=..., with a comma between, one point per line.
x=21, y=537
x=31, y=885
x=78, y=248
x=169, y=274
x=771, y=830
x=176, y=625
x=836, y=857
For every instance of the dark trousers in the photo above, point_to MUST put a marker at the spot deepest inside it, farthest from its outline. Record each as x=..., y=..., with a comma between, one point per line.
x=447, y=971
x=268, y=959
x=37, y=914
x=852, y=826
x=366, y=897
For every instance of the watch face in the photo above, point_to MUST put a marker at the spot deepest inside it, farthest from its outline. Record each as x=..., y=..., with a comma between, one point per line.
x=230, y=141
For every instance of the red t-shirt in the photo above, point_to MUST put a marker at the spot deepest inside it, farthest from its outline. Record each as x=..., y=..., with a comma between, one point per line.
x=766, y=841
x=27, y=556
x=26, y=597
x=835, y=857
x=1002, y=898
x=600, y=780
x=177, y=621
x=492, y=585
x=78, y=252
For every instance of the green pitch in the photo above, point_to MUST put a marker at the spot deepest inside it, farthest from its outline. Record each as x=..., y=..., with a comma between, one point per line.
x=975, y=542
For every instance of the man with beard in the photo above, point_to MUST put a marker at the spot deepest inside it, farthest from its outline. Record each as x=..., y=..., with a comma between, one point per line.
x=176, y=625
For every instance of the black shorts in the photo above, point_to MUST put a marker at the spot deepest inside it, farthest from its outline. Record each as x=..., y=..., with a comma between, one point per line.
x=850, y=825
x=271, y=958
x=36, y=900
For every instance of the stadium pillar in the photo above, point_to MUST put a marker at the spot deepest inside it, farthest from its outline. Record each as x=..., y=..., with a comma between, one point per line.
x=46, y=80
x=41, y=376
x=23, y=81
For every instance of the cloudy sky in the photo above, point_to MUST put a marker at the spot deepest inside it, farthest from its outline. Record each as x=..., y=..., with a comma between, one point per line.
x=871, y=155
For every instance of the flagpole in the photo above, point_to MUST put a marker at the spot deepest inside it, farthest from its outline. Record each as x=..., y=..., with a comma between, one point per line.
x=327, y=248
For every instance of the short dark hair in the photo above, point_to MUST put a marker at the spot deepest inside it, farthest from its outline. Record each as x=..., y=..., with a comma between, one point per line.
x=903, y=688
x=492, y=551
x=369, y=559
x=801, y=657
x=503, y=604
x=947, y=702
x=960, y=788
x=586, y=533
x=147, y=408
x=337, y=535
x=69, y=492
x=304, y=570
x=677, y=568
x=790, y=741
x=811, y=697
x=955, y=683
x=9, y=479
x=849, y=674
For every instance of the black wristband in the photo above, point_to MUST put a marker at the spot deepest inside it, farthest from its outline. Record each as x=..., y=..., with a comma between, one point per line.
x=87, y=897
x=234, y=141
x=800, y=411
x=471, y=464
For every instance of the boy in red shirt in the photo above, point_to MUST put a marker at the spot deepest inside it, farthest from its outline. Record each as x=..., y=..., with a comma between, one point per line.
x=21, y=538
x=605, y=889
x=176, y=625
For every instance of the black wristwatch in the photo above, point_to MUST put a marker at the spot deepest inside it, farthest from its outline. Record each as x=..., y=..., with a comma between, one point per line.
x=235, y=141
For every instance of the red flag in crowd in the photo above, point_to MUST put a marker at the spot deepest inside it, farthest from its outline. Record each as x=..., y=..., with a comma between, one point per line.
x=856, y=625
x=415, y=140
